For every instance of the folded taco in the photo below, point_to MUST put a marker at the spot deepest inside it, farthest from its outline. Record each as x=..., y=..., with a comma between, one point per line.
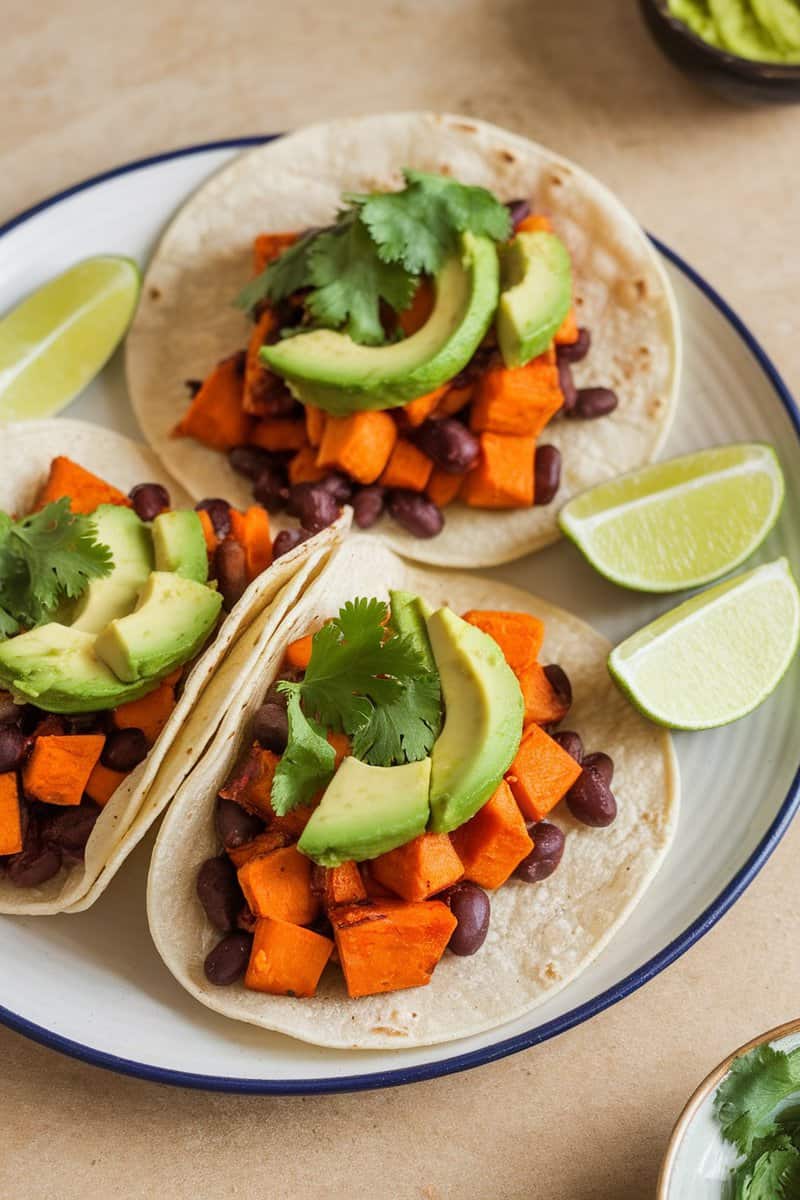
x=448, y=324
x=427, y=810
x=126, y=617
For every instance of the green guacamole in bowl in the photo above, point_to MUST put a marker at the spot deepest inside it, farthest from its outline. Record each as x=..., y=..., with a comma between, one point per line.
x=761, y=30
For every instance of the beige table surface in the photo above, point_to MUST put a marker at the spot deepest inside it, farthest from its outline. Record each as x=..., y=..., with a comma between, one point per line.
x=88, y=83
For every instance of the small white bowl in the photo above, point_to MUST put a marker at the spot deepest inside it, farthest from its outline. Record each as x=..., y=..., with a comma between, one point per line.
x=698, y=1160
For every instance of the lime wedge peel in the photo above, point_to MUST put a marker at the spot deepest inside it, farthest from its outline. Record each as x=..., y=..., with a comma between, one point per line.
x=57, y=339
x=717, y=656
x=680, y=523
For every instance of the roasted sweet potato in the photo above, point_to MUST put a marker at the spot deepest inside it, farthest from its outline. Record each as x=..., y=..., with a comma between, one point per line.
x=269, y=246
x=102, y=783
x=10, y=815
x=278, y=885
x=216, y=416
x=519, y=635
x=419, y=310
x=251, y=530
x=503, y=477
x=517, y=400
x=567, y=332
x=85, y=490
x=542, y=703
x=315, y=424
x=303, y=467
x=407, y=468
x=442, y=487
x=541, y=774
x=341, y=885
x=150, y=714
x=454, y=399
x=341, y=746
x=60, y=765
x=358, y=445
x=417, y=411
x=298, y=654
x=387, y=945
x=535, y=223
x=286, y=960
x=494, y=842
x=279, y=433
x=259, y=382
x=265, y=843
x=421, y=868
x=209, y=532
x=251, y=782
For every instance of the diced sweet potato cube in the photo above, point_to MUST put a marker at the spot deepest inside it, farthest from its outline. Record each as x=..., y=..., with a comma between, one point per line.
x=517, y=400
x=541, y=774
x=60, y=765
x=150, y=713
x=286, y=960
x=454, y=399
x=251, y=782
x=542, y=703
x=535, y=223
x=315, y=424
x=279, y=433
x=518, y=634
x=102, y=783
x=298, y=653
x=424, y=866
x=567, y=332
x=259, y=382
x=269, y=246
x=251, y=530
x=419, y=310
x=375, y=890
x=387, y=945
x=216, y=416
x=359, y=445
x=294, y=822
x=10, y=815
x=209, y=532
x=417, y=411
x=303, y=467
x=442, y=487
x=265, y=843
x=503, y=477
x=85, y=490
x=339, y=885
x=493, y=842
x=407, y=468
x=278, y=885
x=341, y=745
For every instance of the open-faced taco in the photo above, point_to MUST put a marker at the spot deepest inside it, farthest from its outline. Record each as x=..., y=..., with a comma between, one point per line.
x=126, y=618
x=481, y=332
x=405, y=829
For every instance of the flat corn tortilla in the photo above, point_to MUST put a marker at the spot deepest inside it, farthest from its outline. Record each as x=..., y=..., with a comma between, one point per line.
x=186, y=320
x=26, y=450
x=541, y=935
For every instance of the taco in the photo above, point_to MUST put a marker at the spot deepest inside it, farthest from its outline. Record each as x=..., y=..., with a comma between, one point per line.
x=405, y=830
x=126, y=617
x=482, y=332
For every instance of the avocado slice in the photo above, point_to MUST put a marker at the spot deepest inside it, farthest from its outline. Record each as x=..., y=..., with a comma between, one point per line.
x=483, y=723
x=180, y=545
x=408, y=620
x=367, y=811
x=116, y=594
x=331, y=371
x=169, y=625
x=536, y=275
x=56, y=668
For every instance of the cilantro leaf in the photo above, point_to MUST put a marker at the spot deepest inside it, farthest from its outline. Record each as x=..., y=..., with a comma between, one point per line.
x=8, y=626
x=288, y=273
x=307, y=763
x=350, y=280
x=45, y=558
x=755, y=1084
x=772, y=1172
x=404, y=729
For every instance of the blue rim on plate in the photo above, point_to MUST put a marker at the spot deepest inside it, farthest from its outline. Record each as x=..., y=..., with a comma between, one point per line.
x=523, y=1041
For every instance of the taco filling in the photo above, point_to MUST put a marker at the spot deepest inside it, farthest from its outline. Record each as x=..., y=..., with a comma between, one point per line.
x=405, y=762
x=410, y=355
x=105, y=601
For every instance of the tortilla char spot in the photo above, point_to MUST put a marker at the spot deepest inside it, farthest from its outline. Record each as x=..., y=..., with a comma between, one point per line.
x=154, y=293
x=556, y=181
x=551, y=971
x=641, y=288
x=507, y=156
x=644, y=352
x=387, y=1029
x=445, y=169
x=655, y=406
x=465, y=126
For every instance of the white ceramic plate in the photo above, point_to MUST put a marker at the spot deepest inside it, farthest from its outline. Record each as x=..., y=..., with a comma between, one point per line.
x=93, y=986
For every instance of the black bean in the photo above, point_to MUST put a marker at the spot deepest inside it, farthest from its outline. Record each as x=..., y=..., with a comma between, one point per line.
x=287, y=540
x=220, y=513
x=271, y=728
x=235, y=825
x=271, y=488
x=249, y=461
x=230, y=562
x=547, y=473
x=591, y=800
x=275, y=400
x=124, y=749
x=567, y=385
x=10, y=712
x=547, y=852
x=449, y=443
x=314, y=505
x=518, y=211
x=12, y=747
x=68, y=831
x=338, y=485
x=227, y=962
x=601, y=762
x=368, y=506
x=571, y=742
x=594, y=402
x=149, y=499
x=219, y=893
x=578, y=349
x=470, y=906
x=559, y=682
x=33, y=867
x=417, y=514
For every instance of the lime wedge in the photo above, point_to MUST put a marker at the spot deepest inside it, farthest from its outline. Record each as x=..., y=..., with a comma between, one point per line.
x=55, y=342
x=681, y=523
x=715, y=657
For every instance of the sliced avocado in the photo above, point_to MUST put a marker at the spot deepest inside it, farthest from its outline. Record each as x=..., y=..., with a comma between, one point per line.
x=536, y=277
x=128, y=538
x=331, y=371
x=180, y=545
x=55, y=667
x=408, y=620
x=483, y=722
x=367, y=811
x=170, y=624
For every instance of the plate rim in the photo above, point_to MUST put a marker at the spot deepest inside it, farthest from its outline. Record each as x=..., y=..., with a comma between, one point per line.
x=507, y=1046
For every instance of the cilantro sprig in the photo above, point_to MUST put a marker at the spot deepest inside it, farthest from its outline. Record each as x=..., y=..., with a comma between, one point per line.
x=364, y=680
x=376, y=251
x=46, y=558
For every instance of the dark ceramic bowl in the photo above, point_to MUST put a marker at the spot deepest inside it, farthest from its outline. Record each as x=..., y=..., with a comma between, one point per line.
x=735, y=78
